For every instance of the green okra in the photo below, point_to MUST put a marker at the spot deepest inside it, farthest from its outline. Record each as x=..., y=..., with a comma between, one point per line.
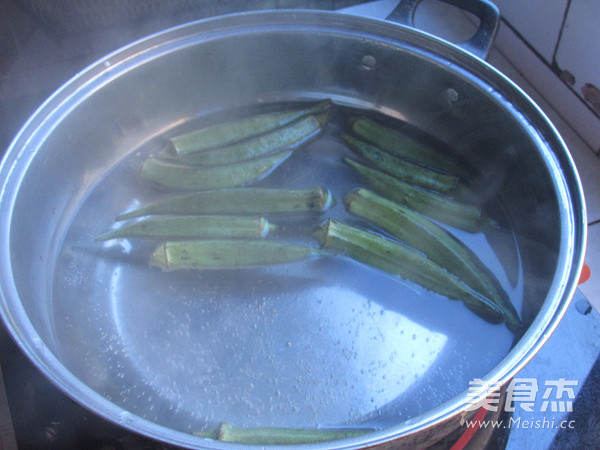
x=226, y=253
x=238, y=130
x=279, y=436
x=431, y=204
x=406, y=147
x=193, y=227
x=240, y=201
x=287, y=137
x=434, y=242
x=397, y=259
x=402, y=169
x=186, y=177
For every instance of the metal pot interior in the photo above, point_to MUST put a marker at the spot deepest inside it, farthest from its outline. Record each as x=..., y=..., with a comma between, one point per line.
x=311, y=345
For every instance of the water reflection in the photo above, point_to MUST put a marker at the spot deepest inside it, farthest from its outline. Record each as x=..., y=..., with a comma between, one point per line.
x=389, y=352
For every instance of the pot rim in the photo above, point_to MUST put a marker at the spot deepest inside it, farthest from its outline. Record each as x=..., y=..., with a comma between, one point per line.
x=50, y=113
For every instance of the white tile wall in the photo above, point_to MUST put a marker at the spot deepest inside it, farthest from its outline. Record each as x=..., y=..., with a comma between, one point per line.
x=548, y=38
x=579, y=46
x=570, y=107
x=538, y=21
x=587, y=163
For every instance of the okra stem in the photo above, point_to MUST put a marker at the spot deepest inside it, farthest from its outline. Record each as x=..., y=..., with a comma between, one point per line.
x=430, y=204
x=288, y=137
x=434, y=242
x=186, y=177
x=397, y=259
x=235, y=131
x=279, y=436
x=240, y=201
x=406, y=147
x=402, y=169
x=193, y=227
x=226, y=253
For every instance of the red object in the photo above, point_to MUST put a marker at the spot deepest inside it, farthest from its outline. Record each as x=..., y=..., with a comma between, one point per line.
x=470, y=431
x=585, y=274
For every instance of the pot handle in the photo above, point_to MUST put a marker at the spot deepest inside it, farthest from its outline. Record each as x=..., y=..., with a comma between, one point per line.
x=488, y=14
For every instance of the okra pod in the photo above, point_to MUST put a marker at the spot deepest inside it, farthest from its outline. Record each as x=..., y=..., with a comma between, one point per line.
x=238, y=130
x=402, y=169
x=186, y=177
x=279, y=436
x=406, y=147
x=193, y=227
x=226, y=253
x=434, y=242
x=287, y=137
x=240, y=201
x=433, y=205
x=397, y=259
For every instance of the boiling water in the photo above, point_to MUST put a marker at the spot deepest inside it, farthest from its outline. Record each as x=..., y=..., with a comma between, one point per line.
x=324, y=342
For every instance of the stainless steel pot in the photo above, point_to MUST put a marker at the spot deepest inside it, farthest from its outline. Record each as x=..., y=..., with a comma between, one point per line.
x=99, y=326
